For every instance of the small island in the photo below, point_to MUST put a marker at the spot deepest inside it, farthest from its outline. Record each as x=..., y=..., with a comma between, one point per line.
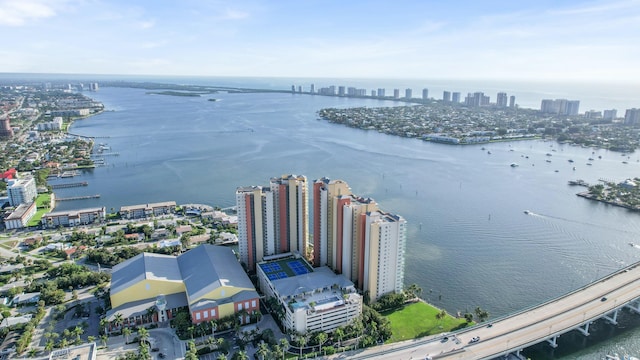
x=624, y=194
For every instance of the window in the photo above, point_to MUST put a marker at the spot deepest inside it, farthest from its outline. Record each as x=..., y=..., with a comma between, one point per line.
x=197, y=316
x=246, y=304
x=239, y=306
x=205, y=314
x=253, y=303
x=213, y=312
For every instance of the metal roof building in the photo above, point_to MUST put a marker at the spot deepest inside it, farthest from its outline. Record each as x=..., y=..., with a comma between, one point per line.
x=208, y=280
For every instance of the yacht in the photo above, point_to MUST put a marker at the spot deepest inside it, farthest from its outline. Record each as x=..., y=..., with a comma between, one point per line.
x=514, y=165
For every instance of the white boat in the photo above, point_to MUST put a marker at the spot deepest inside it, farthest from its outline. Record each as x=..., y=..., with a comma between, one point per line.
x=514, y=165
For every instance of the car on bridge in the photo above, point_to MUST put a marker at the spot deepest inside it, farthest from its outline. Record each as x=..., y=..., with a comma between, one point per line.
x=474, y=339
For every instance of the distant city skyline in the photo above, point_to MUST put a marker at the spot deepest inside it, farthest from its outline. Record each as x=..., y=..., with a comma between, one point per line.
x=542, y=40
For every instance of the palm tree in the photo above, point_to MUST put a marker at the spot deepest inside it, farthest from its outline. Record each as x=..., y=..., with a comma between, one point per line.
x=191, y=330
x=242, y=355
x=104, y=324
x=126, y=332
x=118, y=320
x=285, y=346
x=277, y=349
x=321, y=337
x=104, y=339
x=222, y=357
x=214, y=327
x=339, y=334
x=143, y=350
x=192, y=352
x=77, y=331
x=49, y=346
x=263, y=350
x=302, y=341
x=143, y=334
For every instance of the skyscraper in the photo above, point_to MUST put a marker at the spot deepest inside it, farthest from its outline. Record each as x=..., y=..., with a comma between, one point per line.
x=425, y=94
x=560, y=106
x=446, y=96
x=272, y=220
x=396, y=93
x=5, y=128
x=512, y=101
x=455, y=97
x=610, y=114
x=632, y=117
x=501, y=99
x=22, y=191
x=408, y=94
x=355, y=238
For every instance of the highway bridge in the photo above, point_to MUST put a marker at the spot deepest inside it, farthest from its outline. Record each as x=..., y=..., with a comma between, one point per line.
x=602, y=299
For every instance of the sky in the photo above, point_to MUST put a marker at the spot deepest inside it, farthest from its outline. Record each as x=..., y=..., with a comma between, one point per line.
x=402, y=39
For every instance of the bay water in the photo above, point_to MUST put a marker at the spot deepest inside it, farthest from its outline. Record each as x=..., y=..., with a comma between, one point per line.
x=469, y=241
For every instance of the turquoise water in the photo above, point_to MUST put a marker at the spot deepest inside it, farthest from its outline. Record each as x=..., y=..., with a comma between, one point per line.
x=469, y=242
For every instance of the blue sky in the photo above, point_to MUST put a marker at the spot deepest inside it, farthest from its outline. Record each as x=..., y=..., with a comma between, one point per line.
x=510, y=40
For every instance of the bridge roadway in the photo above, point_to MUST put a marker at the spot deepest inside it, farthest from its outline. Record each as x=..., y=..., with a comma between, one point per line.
x=525, y=328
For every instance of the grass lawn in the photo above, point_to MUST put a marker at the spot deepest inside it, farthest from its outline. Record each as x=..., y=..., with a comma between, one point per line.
x=42, y=203
x=419, y=319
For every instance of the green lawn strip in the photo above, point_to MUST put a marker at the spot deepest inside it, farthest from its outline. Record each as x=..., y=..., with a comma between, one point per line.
x=418, y=320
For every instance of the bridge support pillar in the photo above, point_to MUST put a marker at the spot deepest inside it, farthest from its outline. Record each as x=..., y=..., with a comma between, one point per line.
x=519, y=356
x=585, y=330
x=634, y=306
x=553, y=342
x=613, y=320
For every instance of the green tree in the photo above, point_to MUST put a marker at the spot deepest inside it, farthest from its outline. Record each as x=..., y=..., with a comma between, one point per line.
x=78, y=331
x=285, y=346
x=143, y=334
x=143, y=351
x=240, y=355
x=104, y=339
x=321, y=338
x=263, y=350
x=192, y=352
x=118, y=320
x=126, y=332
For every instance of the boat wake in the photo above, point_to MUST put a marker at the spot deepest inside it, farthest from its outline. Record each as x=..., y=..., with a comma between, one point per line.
x=551, y=217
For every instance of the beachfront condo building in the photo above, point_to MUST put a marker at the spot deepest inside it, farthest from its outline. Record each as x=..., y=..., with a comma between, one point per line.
x=352, y=236
x=272, y=220
x=22, y=191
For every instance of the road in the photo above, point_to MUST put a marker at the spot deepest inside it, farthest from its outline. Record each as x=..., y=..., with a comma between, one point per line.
x=525, y=328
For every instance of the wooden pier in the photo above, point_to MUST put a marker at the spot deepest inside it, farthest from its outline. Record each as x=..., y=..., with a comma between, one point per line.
x=69, y=185
x=96, y=196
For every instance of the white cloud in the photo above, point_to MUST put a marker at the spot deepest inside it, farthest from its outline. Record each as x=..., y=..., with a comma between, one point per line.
x=147, y=24
x=20, y=12
x=231, y=14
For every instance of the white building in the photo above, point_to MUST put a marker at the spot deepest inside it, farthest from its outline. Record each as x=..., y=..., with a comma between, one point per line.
x=73, y=217
x=384, y=254
x=20, y=217
x=147, y=210
x=314, y=299
x=22, y=191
